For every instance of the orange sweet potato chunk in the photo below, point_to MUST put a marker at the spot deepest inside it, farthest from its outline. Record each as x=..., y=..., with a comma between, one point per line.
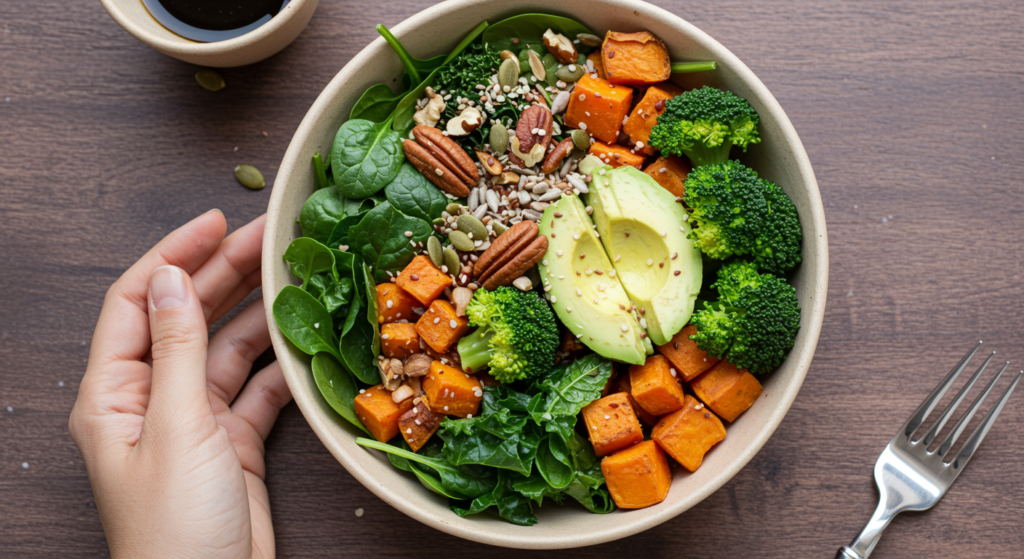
x=422, y=280
x=440, y=328
x=598, y=107
x=612, y=424
x=595, y=57
x=616, y=155
x=645, y=114
x=637, y=477
x=685, y=356
x=654, y=386
x=379, y=413
x=399, y=340
x=670, y=172
x=418, y=424
x=623, y=385
x=395, y=303
x=450, y=391
x=688, y=433
x=727, y=390
x=635, y=58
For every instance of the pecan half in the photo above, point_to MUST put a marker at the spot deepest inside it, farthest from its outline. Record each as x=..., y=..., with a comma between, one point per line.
x=441, y=160
x=520, y=264
x=534, y=127
x=560, y=46
x=554, y=159
x=513, y=253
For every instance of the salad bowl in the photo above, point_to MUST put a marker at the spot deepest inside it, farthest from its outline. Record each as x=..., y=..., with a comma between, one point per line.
x=780, y=157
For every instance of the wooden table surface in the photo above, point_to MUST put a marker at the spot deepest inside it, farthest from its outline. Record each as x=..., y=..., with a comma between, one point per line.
x=911, y=115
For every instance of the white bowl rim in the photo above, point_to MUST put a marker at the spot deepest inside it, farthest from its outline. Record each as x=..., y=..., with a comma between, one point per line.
x=521, y=539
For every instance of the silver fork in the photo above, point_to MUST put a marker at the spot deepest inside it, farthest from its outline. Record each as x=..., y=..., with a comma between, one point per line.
x=908, y=475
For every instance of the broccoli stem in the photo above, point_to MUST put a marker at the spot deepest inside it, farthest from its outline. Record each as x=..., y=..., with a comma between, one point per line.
x=475, y=349
x=687, y=67
x=701, y=155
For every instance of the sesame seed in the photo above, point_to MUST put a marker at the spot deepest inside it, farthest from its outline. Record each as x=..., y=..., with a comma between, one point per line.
x=625, y=328
x=359, y=513
x=469, y=416
x=672, y=371
x=650, y=262
x=582, y=256
x=408, y=233
x=559, y=252
x=554, y=299
x=453, y=324
x=576, y=237
x=362, y=390
x=385, y=336
x=661, y=264
x=389, y=304
x=607, y=417
x=579, y=293
x=664, y=233
x=436, y=320
x=439, y=172
x=675, y=255
x=408, y=431
x=643, y=323
x=569, y=310
x=583, y=97
x=417, y=422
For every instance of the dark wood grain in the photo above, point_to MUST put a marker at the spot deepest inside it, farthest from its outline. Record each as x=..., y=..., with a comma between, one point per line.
x=911, y=115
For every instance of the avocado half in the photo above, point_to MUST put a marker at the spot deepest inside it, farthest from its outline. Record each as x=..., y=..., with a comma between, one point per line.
x=583, y=287
x=644, y=231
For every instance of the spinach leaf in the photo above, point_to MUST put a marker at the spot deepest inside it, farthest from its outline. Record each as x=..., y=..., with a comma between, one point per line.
x=380, y=238
x=333, y=293
x=555, y=472
x=354, y=314
x=305, y=322
x=365, y=157
x=535, y=488
x=372, y=310
x=412, y=194
x=427, y=475
x=500, y=440
x=339, y=235
x=319, y=173
x=567, y=389
x=512, y=505
x=337, y=387
x=376, y=103
x=323, y=210
x=471, y=481
x=529, y=28
x=357, y=349
x=307, y=257
x=594, y=499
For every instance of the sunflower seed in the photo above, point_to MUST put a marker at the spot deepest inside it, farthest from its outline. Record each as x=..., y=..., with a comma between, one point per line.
x=480, y=211
x=524, y=198
x=539, y=206
x=492, y=200
x=578, y=184
x=553, y=194
x=561, y=102
x=434, y=251
x=250, y=177
x=532, y=215
x=210, y=80
x=471, y=201
x=541, y=187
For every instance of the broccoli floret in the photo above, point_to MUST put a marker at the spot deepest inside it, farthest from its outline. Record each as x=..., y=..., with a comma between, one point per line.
x=754, y=322
x=737, y=213
x=517, y=334
x=703, y=124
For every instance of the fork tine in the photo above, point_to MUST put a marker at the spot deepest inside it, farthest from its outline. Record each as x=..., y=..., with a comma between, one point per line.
x=930, y=402
x=962, y=424
x=979, y=434
x=941, y=422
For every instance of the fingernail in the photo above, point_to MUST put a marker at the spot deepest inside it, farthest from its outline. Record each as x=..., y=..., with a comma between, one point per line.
x=215, y=210
x=167, y=288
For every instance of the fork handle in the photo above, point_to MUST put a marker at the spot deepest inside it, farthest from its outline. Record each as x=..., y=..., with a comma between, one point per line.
x=846, y=552
x=868, y=538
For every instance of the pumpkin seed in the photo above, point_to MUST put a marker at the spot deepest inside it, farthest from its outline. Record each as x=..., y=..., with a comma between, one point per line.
x=469, y=224
x=453, y=208
x=566, y=75
x=439, y=221
x=499, y=138
x=498, y=227
x=509, y=55
x=434, y=251
x=451, y=261
x=210, y=80
x=550, y=67
x=581, y=139
x=508, y=74
x=537, y=65
x=250, y=177
x=461, y=241
x=589, y=40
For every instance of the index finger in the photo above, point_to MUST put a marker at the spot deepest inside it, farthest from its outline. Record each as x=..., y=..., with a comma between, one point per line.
x=122, y=331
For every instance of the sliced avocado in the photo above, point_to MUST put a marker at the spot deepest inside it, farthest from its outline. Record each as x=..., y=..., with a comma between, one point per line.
x=644, y=230
x=582, y=286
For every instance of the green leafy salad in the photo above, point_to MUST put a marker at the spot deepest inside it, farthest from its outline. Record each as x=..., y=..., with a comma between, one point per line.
x=534, y=275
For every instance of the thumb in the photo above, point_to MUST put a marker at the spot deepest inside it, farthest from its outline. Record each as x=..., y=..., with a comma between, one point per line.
x=180, y=336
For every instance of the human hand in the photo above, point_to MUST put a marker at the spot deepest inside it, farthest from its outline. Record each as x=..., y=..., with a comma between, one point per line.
x=174, y=452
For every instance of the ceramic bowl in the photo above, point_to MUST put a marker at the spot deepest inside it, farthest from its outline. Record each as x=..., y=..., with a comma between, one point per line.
x=780, y=157
x=262, y=42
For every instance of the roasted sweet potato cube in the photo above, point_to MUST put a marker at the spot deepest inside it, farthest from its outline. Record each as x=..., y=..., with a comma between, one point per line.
x=595, y=57
x=612, y=424
x=635, y=58
x=685, y=356
x=654, y=386
x=450, y=391
x=399, y=340
x=638, y=476
x=616, y=155
x=645, y=114
x=727, y=390
x=440, y=328
x=688, y=433
x=422, y=280
x=418, y=424
x=379, y=413
x=598, y=107
x=623, y=385
x=670, y=172
x=395, y=303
